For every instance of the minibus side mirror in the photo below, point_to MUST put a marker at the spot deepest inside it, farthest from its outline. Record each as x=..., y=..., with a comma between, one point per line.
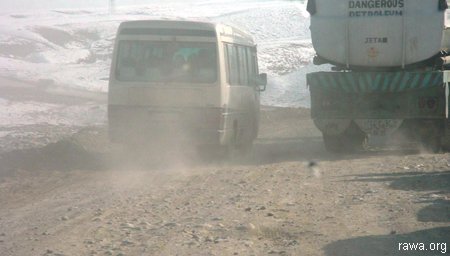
x=262, y=82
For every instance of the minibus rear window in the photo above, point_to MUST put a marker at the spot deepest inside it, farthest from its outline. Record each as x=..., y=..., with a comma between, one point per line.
x=166, y=62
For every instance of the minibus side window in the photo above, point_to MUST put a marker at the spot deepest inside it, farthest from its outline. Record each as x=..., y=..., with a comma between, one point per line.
x=255, y=60
x=253, y=66
x=243, y=66
x=232, y=64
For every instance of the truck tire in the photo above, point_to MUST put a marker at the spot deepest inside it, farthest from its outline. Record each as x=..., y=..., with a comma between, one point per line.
x=351, y=140
x=430, y=135
x=431, y=143
x=332, y=143
x=445, y=139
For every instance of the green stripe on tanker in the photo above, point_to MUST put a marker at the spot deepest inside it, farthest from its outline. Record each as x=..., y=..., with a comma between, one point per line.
x=374, y=81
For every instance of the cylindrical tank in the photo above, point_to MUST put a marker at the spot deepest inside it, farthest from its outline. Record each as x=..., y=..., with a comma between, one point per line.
x=377, y=33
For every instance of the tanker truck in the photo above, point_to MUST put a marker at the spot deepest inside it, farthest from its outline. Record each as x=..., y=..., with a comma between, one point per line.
x=388, y=75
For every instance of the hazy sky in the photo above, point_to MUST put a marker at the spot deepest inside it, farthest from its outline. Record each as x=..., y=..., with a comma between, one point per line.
x=22, y=5
x=27, y=5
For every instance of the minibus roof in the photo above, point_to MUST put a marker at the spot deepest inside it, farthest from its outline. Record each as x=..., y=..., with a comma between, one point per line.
x=197, y=28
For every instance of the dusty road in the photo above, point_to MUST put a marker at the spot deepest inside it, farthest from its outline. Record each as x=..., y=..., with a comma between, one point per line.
x=79, y=196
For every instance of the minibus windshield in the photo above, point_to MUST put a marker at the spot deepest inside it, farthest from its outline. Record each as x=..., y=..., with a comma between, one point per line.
x=166, y=62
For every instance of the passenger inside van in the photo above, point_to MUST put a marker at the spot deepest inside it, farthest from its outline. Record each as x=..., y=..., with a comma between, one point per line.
x=205, y=66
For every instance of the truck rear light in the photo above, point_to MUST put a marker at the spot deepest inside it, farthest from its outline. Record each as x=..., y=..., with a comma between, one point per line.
x=431, y=103
x=428, y=103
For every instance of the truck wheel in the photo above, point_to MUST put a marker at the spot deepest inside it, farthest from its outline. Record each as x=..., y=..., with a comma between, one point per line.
x=332, y=143
x=429, y=134
x=351, y=140
x=431, y=144
x=445, y=140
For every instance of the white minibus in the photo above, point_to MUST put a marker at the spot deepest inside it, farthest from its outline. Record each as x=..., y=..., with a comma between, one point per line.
x=176, y=81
